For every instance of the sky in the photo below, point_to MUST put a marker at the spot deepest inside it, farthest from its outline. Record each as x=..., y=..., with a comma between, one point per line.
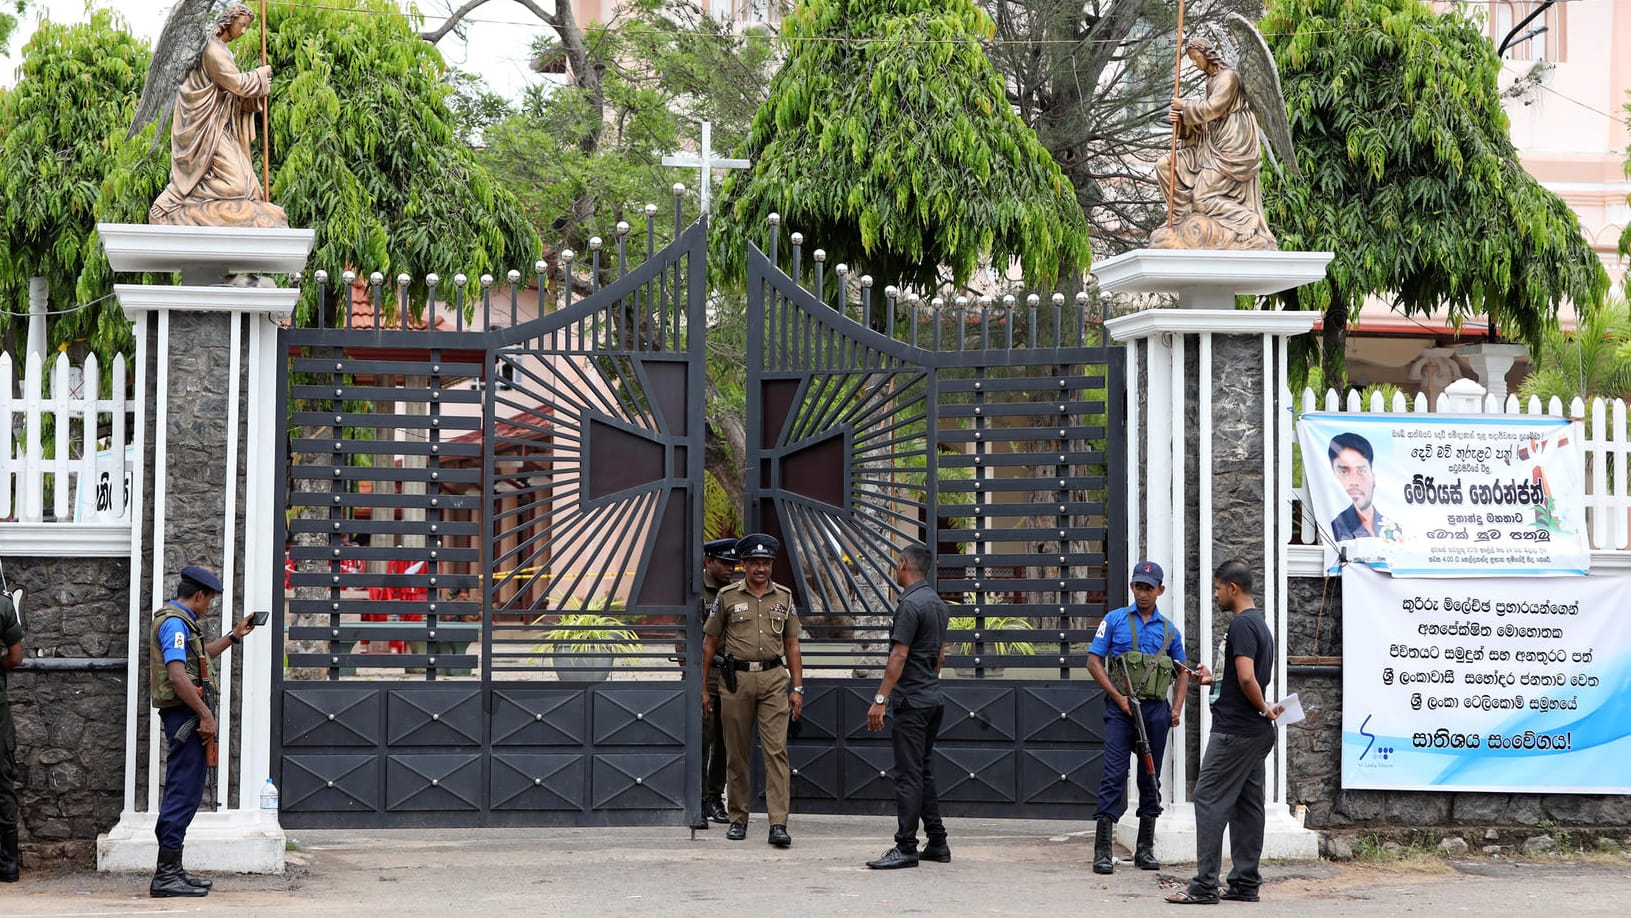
x=499, y=35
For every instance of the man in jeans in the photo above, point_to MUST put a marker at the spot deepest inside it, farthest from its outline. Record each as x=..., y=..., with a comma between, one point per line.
x=1229, y=790
x=911, y=686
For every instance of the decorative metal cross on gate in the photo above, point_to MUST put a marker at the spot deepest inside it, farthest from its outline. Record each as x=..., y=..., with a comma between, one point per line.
x=706, y=163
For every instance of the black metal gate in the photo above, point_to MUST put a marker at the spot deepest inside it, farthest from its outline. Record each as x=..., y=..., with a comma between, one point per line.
x=494, y=546
x=986, y=428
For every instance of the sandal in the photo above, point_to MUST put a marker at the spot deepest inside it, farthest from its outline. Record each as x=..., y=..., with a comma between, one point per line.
x=1239, y=895
x=1188, y=898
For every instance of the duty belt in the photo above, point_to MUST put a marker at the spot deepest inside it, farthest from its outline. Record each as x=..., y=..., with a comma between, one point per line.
x=757, y=666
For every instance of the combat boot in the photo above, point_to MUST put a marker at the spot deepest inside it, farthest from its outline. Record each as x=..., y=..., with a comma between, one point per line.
x=8, y=854
x=199, y=882
x=168, y=880
x=1144, y=853
x=1104, y=856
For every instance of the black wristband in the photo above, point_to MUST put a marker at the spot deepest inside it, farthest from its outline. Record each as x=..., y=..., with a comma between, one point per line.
x=234, y=638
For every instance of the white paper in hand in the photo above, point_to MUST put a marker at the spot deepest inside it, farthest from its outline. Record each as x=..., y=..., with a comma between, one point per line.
x=1293, y=712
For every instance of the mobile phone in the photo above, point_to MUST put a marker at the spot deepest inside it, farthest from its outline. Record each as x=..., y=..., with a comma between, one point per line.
x=260, y=617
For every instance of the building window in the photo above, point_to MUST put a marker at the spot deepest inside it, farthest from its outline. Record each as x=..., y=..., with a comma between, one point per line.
x=1548, y=45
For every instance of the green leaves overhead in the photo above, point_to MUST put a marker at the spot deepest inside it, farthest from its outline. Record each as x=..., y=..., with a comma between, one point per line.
x=887, y=140
x=1413, y=180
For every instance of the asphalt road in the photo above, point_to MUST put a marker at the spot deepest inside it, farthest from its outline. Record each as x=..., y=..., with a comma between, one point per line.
x=998, y=868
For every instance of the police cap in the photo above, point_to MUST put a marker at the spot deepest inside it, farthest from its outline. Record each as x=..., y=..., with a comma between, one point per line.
x=723, y=549
x=202, y=577
x=757, y=545
x=1148, y=572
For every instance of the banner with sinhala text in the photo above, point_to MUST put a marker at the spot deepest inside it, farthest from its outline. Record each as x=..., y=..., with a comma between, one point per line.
x=1425, y=495
x=1486, y=685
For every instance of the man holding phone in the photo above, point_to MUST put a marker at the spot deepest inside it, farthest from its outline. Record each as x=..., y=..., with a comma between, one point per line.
x=181, y=687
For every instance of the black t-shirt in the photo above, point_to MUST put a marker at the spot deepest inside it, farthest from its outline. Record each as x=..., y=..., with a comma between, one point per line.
x=1248, y=637
x=921, y=620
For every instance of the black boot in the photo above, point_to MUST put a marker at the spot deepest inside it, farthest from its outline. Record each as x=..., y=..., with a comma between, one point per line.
x=1104, y=856
x=8, y=854
x=199, y=882
x=169, y=881
x=1144, y=854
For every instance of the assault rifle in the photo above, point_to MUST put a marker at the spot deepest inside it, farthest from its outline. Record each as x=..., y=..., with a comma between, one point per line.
x=1141, y=744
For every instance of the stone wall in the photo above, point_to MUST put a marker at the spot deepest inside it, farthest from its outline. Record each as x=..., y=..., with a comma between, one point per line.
x=70, y=725
x=1314, y=769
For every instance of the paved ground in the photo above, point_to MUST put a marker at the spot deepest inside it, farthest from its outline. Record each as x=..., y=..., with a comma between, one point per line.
x=998, y=868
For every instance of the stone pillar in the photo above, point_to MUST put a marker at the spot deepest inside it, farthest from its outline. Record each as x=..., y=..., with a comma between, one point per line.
x=1210, y=414
x=203, y=493
x=1491, y=362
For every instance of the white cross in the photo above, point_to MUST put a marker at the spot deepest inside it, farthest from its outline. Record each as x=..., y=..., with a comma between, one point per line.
x=705, y=162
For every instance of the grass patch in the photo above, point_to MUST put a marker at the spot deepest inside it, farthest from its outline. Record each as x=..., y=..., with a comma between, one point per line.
x=1374, y=851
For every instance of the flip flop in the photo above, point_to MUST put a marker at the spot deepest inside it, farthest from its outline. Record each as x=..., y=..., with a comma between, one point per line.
x=1188, y=898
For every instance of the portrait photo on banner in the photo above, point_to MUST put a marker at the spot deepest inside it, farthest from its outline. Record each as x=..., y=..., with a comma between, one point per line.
x=1447, y=495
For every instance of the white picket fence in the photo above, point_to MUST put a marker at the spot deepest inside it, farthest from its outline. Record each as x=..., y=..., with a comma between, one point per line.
x=1603, y=432
x=85, y=471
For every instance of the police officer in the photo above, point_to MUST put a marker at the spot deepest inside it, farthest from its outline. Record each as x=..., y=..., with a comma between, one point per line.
x=718, y=572
x=1140, y=645
x=179, y=683
x=11, y=654
x=755, y=623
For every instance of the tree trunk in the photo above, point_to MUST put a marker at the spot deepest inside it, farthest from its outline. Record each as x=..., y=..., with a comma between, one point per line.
x=1335, y=362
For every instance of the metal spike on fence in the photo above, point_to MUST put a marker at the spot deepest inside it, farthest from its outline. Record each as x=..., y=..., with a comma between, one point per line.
x=797, y=239
x=820, y=256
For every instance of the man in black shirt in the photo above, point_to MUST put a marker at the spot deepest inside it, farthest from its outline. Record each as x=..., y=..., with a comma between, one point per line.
x=1229, y=791
x=911, y=686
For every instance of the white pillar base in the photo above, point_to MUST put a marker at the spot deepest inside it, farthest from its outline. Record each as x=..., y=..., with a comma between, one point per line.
x=232, y=841
x=1284, y=837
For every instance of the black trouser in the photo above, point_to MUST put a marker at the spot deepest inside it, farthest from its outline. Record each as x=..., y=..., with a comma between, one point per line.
x=8, y=769
x=915, y=797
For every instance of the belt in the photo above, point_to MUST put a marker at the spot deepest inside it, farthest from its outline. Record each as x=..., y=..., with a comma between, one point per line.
x=755, y=666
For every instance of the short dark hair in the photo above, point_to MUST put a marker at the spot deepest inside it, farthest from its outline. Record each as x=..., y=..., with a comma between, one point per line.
x=1354, y=442
x=1236, y=572
x=187, y=588
x=917, y=558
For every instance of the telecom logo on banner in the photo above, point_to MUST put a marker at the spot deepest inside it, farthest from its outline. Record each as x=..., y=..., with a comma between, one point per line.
x=1448, y=495
x=1486, y=685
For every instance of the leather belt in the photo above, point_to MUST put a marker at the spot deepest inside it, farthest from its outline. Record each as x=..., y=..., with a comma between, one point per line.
x=757, y=666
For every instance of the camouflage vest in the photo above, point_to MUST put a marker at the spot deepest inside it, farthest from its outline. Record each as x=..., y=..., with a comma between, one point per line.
x=159, y=688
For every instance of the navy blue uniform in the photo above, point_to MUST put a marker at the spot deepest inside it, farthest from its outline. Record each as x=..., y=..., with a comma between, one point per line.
x=1114, y=638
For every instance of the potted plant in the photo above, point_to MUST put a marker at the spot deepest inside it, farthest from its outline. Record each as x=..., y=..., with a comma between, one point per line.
x=586, y=645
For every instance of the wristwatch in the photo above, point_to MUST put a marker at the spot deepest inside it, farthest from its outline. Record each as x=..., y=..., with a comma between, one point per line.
x=880, y=699
x=798, y=689
x=234, y=638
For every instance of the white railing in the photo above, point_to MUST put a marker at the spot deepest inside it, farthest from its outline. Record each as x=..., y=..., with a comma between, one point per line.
x=63, y=440
x=1604, y=434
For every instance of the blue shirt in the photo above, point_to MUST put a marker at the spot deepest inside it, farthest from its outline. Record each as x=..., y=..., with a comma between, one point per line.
x=173, y=636
x=1115, y=635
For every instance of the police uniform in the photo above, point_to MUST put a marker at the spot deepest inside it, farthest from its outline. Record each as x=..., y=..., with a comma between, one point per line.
x=1121, y=631
x=754, y=631
x=713, y=727
x=178, y=636
x=11, y=634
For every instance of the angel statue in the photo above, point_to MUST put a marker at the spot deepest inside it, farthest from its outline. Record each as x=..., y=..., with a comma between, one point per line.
x=194, y=78
x=1211, y=184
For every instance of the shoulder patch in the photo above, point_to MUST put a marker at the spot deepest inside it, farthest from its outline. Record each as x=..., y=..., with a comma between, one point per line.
x=1103, y=627
x=180, y=641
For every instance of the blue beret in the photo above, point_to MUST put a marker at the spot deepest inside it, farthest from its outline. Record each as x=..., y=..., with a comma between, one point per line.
x=757, y=545
x=202, y=577
x=723, y=549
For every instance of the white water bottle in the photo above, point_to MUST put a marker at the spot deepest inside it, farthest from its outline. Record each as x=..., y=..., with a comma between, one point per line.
x=269, y=801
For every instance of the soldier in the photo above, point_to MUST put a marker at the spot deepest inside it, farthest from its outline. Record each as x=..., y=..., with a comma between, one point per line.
x=758, y=627
x=1141, y=645
x=11, y=654
x=718, y=572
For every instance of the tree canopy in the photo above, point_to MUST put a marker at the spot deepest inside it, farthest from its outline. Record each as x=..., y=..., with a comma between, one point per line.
x=887, y=139
x=58, y=127
x=1412, y=178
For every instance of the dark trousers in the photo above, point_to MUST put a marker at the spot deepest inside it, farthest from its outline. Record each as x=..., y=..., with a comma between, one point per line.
x=8, y=770
x=713, y=753
x=915, y=797
x=1120, y=736
x=183, y=780
x=1229, y=793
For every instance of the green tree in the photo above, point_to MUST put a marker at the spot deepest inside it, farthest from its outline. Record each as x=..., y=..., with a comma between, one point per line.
x=8, y=21
x=888, y=140
x=1593, y=361
x=1413, y=180
x=77, y=90
x=365, y=151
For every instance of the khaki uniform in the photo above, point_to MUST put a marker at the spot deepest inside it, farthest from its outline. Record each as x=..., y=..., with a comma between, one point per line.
x=714, y=757
x=754, y=629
